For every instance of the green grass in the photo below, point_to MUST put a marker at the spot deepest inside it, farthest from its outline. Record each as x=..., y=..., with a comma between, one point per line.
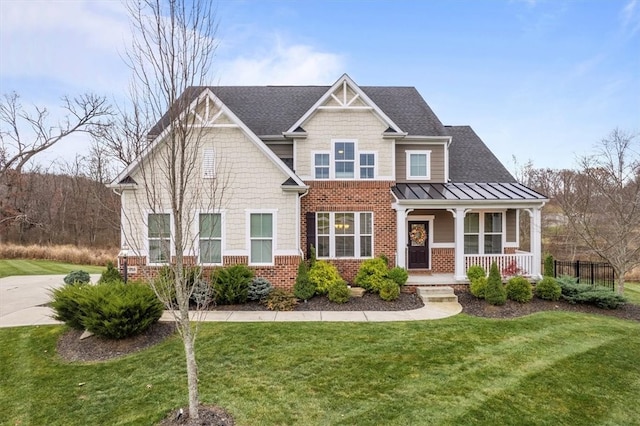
x=552, y=368
x=9, y=267
x=632, y=292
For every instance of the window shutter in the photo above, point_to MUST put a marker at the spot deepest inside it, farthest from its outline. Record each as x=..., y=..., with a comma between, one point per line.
x=208, y=164
x=311, y=232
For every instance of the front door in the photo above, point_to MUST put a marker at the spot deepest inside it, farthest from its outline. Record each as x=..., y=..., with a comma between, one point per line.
x=418, y=245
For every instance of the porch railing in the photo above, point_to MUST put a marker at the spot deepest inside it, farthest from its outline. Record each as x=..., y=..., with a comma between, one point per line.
x=508, y=264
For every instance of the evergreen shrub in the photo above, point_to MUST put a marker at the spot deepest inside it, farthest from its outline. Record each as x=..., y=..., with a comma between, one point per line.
x=548, y=266
x=478, y=286
x=77, y=277
x=476, y=271
x=323, y=275
x=389, y=290
x=371, y=273
x=339, y=292
x=281, y=300
x=519, y=289
x=303, y=289
x=495, y=292
x=66, y=304
x=548, y=289
x=399, y=275
x=259, y=289
x=111, y=274
x=231, y=284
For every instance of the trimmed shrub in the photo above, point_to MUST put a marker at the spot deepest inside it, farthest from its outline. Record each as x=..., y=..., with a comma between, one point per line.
x=389, y=290
x=111, y=274
x=476, y=271
x=548, y=289
x=75, y=277
x=281, y=300
x=478, y=286
x=339, y=292
x=519, y=290
x=303, y=289
x=399, y=275
x=259, y=289
x=66, y=304
x=371, y=273
x=548, y=266
x=322, y=275
x=495, y=292
x=601, y=297
x=118, y=310
x=231, y=284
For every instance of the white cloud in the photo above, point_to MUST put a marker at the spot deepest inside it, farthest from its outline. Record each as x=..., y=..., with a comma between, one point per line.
x=630, y=16
x=294, y=64
x=72, y=43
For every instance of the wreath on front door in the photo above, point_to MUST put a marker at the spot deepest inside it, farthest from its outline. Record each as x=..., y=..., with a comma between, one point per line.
x=418, y=235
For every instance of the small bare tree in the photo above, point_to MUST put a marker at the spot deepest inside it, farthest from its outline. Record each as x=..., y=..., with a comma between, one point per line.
x=602, y=202
x=172, y=52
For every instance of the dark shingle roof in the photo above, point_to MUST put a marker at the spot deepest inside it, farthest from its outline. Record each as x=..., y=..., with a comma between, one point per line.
x=471, y=161
x=271, y=110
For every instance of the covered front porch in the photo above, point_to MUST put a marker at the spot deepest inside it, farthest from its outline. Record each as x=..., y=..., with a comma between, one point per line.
x=443, y=229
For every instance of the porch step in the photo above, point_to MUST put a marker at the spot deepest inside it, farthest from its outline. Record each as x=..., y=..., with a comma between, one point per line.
x=437, y=294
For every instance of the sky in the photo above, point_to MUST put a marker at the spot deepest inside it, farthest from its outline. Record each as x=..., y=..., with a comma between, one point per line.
x=538, y=80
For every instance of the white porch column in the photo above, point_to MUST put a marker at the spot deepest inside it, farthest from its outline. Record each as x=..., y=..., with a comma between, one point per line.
x=459, y=214
x=535, y=225
x=401, y=232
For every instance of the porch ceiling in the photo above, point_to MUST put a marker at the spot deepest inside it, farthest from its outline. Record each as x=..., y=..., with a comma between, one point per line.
x=465, y=192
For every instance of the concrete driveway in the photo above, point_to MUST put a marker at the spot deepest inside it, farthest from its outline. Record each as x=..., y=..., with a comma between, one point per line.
x=21, y=298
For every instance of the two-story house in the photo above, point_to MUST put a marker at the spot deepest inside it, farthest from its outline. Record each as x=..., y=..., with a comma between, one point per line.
x=355, y=172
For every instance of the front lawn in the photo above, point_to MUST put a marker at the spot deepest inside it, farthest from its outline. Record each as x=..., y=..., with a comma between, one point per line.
x=632, y=292
x=9, y=267
x=547, y=368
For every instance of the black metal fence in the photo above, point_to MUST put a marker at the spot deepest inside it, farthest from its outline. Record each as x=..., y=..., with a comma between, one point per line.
x=594, y=273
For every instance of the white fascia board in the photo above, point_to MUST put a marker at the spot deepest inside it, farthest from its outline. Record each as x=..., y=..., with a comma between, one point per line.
x=446, y=140
x=357, y=90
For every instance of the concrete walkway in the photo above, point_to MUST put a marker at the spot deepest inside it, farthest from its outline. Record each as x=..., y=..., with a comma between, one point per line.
x=21, y=298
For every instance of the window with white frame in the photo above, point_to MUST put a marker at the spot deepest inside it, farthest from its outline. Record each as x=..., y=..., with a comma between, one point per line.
x=344, y=234
x=367, y=165
x=208, y=164
x=321, y=164
x=159, y=236
x=483, y=233
x=418, y=165
x=261, y=236
x=210, y=237
x=344, y=159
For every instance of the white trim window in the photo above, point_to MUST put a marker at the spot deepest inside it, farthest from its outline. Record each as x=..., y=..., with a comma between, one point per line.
x=483, y=233
x=261, y=238
x=159, y=237
x=322, y=165
x=208, y=163
x=344, y=155
x=210, y=238
x=344, y=234
x=367, y=165
x=418, y=165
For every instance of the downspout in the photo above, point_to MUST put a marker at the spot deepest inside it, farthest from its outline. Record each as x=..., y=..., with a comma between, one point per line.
x=298, y=232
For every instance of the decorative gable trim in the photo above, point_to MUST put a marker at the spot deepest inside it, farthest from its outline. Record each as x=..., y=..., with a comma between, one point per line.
x=358, y=101
x=209, y=121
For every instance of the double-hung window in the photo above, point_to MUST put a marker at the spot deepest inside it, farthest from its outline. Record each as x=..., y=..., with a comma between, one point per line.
x=210, y=237
x=261, y=236
x=345, y=160
x=418, y=165
x=344, y=234
x=321, y=165
x=159, y=235
x=367, y=165
x=483, y=233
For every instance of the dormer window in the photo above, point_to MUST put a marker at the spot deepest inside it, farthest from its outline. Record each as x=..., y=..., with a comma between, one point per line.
x=418, y=165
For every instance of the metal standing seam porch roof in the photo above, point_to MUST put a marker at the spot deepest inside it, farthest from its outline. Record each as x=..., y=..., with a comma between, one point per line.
x=465, y=192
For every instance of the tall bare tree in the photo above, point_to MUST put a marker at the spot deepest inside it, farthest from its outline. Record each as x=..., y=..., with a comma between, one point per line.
x=602, y=202
x=172, y=51
x=26, y=133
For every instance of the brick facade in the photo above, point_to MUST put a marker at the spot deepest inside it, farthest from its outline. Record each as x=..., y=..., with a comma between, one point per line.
x=281, y=275
x=443, y=260
x=354, y=196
